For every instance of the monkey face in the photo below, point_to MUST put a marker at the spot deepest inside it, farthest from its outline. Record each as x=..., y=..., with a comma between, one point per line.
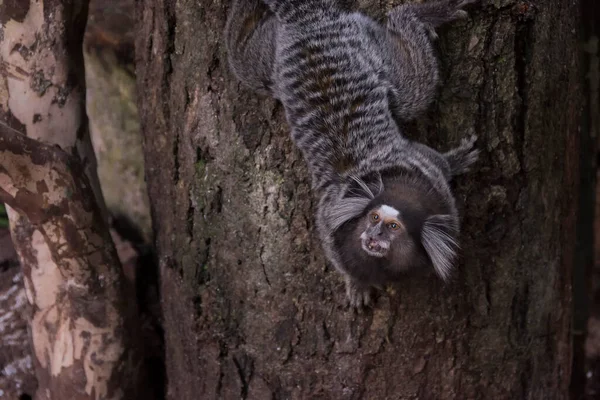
x=383, y=226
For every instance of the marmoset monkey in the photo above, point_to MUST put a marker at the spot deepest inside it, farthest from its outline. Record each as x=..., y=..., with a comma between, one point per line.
x=384, y=202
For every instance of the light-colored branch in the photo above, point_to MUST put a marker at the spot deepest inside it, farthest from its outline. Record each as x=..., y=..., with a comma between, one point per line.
x=81, y=326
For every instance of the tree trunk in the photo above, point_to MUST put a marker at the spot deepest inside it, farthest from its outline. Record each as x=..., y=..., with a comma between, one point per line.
x=82, y=323
x=252, y=310
x=81, y=336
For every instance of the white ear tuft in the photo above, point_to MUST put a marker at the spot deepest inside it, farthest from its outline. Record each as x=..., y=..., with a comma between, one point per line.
x=347, y=209
x=438, y=238
x=351, y=203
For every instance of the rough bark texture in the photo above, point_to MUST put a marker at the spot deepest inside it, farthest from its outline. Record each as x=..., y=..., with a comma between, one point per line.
x=251, y=309
x=587, y=310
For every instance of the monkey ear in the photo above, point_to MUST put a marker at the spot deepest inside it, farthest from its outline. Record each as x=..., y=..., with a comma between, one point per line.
x=438, y=239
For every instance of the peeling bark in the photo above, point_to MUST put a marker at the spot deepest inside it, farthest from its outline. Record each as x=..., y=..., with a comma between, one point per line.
x=82, y=324
x=80, y=332
x=252, y=310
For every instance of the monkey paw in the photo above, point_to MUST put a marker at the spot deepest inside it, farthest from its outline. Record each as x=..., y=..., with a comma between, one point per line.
x=460, y=13
x=462, y=157
x=455, y=9
x=433, y=14
x=358, y=296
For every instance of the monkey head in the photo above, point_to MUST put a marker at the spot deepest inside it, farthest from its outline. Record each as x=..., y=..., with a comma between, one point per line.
x=406, y=224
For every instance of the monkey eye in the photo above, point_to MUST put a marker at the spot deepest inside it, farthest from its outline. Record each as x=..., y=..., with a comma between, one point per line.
x=374, y=217
x=394, y=226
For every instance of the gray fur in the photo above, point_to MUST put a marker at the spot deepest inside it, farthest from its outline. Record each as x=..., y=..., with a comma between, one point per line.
x=345, y=81
x=347, y=209
x=439, y=239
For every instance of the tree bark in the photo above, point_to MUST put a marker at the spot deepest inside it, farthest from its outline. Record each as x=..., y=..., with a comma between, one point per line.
x=252, y=310
x=17, y=380
x=82, y=322
x=73, y=279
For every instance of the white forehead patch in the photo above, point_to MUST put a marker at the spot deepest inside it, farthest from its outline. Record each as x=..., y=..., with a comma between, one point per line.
x=388, y=212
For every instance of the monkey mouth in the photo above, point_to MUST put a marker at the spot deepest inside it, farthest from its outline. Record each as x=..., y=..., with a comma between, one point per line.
x=374, y=248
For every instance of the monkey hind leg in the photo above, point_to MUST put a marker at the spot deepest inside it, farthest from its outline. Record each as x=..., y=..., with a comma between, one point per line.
x=411, y=65
x=412, y=69
x=250, y=36
x=436, y=13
